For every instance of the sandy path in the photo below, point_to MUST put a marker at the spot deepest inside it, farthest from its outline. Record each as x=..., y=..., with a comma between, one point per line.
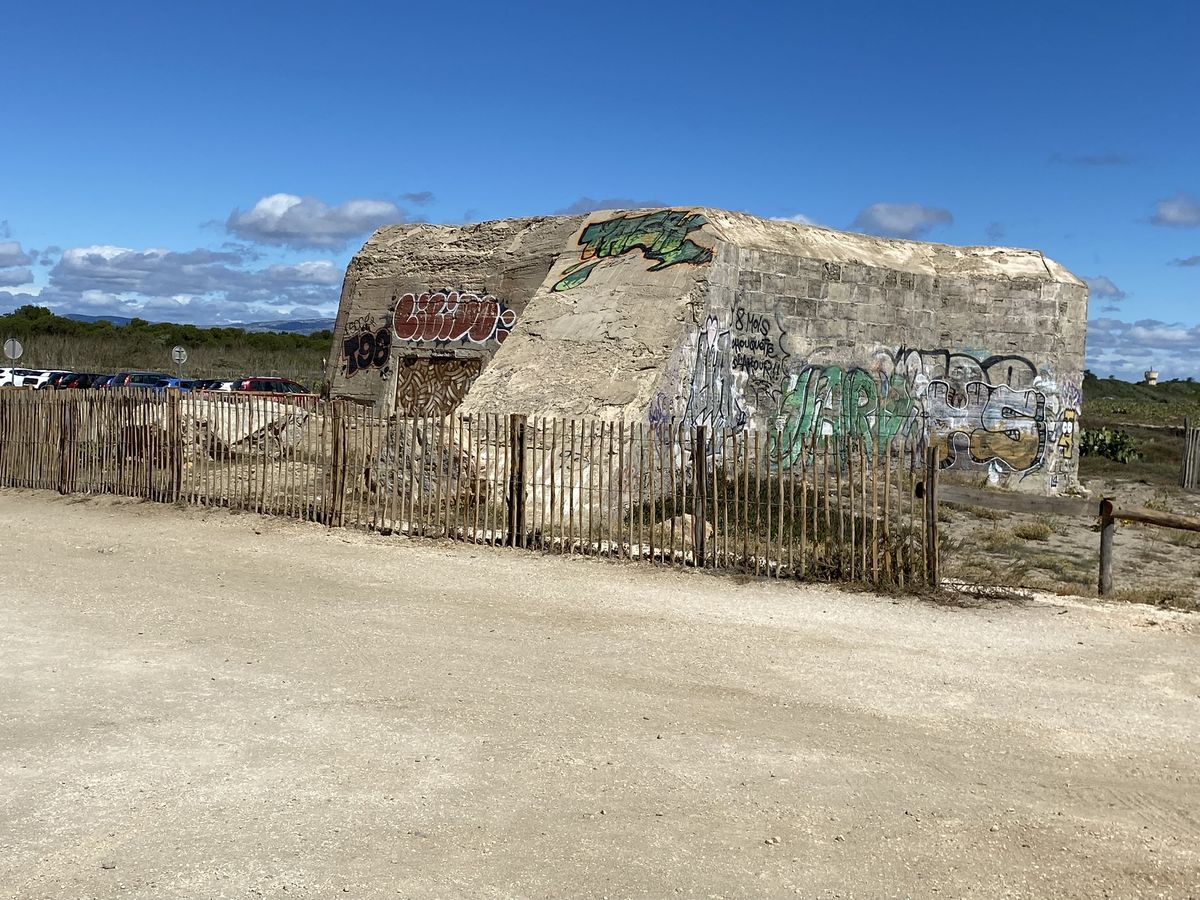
x=201, y=704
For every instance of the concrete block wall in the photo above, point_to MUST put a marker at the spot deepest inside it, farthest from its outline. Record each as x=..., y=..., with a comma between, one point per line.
x=976, y=350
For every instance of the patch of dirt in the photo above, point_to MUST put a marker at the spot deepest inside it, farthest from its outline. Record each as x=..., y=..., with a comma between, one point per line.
x=1159, y=566
x=200, y=704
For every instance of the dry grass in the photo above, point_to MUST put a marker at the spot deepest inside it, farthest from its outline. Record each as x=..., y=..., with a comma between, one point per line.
x=1172, y=596
x=1037, y=530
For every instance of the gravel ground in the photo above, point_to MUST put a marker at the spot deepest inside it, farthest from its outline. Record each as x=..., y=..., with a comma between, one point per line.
x=200, y=704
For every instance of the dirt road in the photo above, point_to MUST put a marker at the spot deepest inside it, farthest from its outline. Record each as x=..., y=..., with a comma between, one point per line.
x=208, y=705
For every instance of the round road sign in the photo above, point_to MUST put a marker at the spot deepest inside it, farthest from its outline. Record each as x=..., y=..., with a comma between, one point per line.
x=179, y=355
x=13, y=348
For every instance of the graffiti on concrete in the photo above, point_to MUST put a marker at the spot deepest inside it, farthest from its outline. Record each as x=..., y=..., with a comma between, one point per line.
x=759, y=355
x=990, y=422
x=447, y=317
x=661, y=236
x=366, y=347
x=836, y=402
x=965, y=405
x=960, y=368
x=433, y=387
x=1066, y=435
x=713, y=402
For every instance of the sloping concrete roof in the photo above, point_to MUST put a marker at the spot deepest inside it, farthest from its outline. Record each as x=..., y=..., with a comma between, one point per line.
x=817, y=242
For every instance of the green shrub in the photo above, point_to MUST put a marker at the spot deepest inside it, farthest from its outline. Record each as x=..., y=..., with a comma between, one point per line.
x=1110, y=443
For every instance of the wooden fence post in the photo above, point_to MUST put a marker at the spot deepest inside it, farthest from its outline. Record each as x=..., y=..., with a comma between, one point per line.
x=1189, y=470
x=931, y=516
x=66, y=445
x=515, y=501
x=699, y=493
x=337, y=480
x=174, y=442
x=1108, y=527
x=1186, y=462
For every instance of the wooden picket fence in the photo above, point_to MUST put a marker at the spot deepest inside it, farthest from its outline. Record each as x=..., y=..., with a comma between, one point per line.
x=1189, y=476
x=844, y=508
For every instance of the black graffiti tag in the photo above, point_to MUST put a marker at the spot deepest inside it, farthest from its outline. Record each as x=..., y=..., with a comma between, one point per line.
x=367, y=349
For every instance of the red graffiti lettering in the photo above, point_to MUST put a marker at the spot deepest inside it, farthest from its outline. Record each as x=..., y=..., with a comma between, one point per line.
x=444, y=317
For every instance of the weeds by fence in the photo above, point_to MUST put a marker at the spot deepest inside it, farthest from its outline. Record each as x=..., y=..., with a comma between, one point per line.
x=830, y=508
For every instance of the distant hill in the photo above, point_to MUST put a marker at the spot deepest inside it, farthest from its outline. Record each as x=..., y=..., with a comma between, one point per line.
x=280, y=326
x=1166, y=403
x=290, y=326
x=115, y=320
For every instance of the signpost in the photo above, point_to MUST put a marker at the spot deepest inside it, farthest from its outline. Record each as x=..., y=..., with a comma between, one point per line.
x=13, y=348
x=179, y=355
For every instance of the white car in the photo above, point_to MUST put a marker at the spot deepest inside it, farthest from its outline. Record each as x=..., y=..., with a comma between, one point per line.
x=13, y=377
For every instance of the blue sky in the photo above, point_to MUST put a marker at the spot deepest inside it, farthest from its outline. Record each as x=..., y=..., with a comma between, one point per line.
x=221, y=162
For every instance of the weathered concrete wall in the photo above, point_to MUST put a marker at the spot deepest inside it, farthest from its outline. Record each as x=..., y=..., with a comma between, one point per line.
x=808, y=330
x=425, y=307
x=723, y=319
x=594, y=340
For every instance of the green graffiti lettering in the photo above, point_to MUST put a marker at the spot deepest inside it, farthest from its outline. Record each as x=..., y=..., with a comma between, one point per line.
x=839, y=403
x=661, y=236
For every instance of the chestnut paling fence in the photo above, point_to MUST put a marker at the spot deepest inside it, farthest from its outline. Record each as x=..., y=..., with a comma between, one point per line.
x=1189, y=474
x=812, y=507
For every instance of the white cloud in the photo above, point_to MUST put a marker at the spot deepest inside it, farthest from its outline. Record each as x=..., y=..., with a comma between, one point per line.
x=203, y=286
x=901, y=220
x=1102, y=288
x=1180, y=211
x=290, y=220
x=12, y=255
x=15, y=277
x=319, y=272
x=798, y=218
x=1127, y=349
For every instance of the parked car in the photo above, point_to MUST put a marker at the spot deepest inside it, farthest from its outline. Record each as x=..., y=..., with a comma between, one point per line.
x=137, y=379
x=183, y=385
x=14, y=377
x=79, y=380
x=270, y=385
x=52, y=379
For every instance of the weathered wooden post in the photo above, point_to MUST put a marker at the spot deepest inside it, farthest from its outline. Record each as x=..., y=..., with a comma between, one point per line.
x=1108, y=527
x=1189, y=470
x=175, y=442
x=337, y=479
x=1186, y=461
x=516, y=480
x=699, y=493
x=66, y=445
x=931, y=516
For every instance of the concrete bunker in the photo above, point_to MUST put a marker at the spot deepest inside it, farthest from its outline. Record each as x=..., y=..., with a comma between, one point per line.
x=704, y=316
